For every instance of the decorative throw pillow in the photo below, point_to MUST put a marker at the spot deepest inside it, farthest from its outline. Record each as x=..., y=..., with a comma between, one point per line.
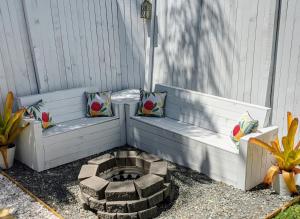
x=39, y=112
x=99, y=104
x=246, y=125
x=152, y=104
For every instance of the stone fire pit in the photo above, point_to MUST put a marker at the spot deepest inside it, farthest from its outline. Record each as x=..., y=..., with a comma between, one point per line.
x=125, y=184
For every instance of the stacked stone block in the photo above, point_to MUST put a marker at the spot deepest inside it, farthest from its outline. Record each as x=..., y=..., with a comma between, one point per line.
x=130, y=199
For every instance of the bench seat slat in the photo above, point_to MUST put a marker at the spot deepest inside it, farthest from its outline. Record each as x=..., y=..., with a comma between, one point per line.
x=76, y=124
x=184, y=130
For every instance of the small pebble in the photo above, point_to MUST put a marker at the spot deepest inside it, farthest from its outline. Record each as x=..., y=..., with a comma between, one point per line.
x=195, y=195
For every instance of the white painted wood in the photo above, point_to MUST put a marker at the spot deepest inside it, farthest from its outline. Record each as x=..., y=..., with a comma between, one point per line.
x=209, y=152
x=140, y=42
x=61, y=113
x=123, y=45
x=135, y=38
x=74, y=136
x=219, y=164
x=79, y=125
x=77, y=64
x=255, y=162
x=126, y=96
x=86, y=43
x=65, y=27
x=149, y=48
x=36, y=43
x=83, y=39
x=211, y=112
x=129, y=98
x=200, y=157
x=119, y=110
x=50, y=54
x=101, y=43
x=184, y=133
x=223, y=48
x=101, y=52
x=286, y=91
x=185, y=137
x=128, y=46
x=77, y=142
x=57, y=30
x=110, y=31
x=29, y=146
x=81, y=154
x=16, y=67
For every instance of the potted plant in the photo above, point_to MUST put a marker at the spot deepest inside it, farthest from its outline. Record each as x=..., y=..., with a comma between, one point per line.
x=10, y=128
x=282, y=174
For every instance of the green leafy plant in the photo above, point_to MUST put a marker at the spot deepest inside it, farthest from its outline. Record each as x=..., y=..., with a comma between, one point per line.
x=287, y=156
x=10, y=125
x=292, y=212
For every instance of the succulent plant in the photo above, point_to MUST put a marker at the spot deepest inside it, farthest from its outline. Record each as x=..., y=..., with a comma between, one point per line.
x=287, y=157
x=10, y=125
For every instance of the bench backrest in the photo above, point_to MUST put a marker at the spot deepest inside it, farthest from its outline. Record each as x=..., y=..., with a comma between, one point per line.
x=64, y=105
x=208, y=111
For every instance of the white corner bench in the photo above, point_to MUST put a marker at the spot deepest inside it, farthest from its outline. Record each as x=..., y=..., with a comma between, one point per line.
x=74, y=135
x=195, y=133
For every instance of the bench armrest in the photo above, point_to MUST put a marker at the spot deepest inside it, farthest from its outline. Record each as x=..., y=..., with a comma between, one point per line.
x=30, y=140
x=261, y=134
x=254, y=160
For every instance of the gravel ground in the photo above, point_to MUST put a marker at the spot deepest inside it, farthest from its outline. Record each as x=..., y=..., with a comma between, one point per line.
x=19, y=203
x=195, y=195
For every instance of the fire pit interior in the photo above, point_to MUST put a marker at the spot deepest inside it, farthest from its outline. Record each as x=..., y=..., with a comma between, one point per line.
x=125, y=184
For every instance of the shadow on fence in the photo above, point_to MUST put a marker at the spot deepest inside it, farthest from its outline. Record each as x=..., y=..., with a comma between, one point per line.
x=196, y=43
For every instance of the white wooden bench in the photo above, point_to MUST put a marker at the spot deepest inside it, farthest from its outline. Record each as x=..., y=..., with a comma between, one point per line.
x=195, y=133
x=74, y=136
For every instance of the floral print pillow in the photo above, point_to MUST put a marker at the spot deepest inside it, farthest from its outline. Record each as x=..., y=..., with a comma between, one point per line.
x=152, y=104
x=99, y=104
x=39, y=112
x=245, y=126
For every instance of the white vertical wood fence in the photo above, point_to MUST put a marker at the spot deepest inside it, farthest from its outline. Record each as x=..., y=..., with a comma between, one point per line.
x=218, y=47
x=86, y=42
x=286, y=87
x=16, y=67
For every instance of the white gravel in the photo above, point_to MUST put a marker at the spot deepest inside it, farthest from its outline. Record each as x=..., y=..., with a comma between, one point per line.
x=196, y=195
x=21, y=205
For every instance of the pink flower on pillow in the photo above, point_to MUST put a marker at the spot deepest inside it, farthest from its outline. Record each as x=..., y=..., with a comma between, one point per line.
x=45, y=117
x=149, y=105
x=236, y=130
x=96, y=106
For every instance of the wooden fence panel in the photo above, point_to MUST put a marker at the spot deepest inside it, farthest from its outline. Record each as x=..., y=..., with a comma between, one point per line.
x=16, y=67
x=86, y=43
x=286, y=89
x=223, y=48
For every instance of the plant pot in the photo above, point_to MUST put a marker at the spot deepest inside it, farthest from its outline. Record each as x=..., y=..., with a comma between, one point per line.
x=10, y=154
x=279, y=186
